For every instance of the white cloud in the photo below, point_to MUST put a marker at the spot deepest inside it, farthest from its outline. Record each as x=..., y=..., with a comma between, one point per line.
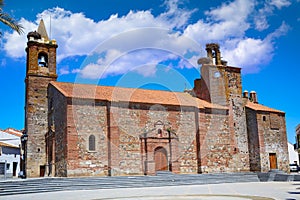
x=251, y=54
x=81, y=35
x=64, y=70
x=237, y=11
x=3, y=63
x=229, y=20
x=260, y=19
x=114, y=62
x=280, y=3
x=139, y=40
x=15, y=44
x=175, y=16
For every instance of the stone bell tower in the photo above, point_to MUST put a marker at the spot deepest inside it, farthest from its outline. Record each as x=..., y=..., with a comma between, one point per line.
x=40, y=70
x=222, y=84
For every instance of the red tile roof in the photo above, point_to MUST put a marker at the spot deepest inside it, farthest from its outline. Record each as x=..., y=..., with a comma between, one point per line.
x=259, y=107
x=118, y=94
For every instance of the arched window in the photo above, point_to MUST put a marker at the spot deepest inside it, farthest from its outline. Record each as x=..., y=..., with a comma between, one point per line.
x=92, y=143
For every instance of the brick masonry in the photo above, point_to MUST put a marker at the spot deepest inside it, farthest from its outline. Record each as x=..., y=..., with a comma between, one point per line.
x=128, y=136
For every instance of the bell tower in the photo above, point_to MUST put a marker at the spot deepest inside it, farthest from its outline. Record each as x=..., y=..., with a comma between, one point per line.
x=40, y=71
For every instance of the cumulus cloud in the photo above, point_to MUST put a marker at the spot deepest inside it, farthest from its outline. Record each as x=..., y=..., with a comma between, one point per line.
x=229, y=20
x=114, y=62
x=280, y=3
x=251, y=54
x=139, y=40
x=14, y=43
x=260, y=19
x=130, y=50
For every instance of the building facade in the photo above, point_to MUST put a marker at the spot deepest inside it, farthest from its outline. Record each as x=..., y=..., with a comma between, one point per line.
x=10, y=155
x=90, y=130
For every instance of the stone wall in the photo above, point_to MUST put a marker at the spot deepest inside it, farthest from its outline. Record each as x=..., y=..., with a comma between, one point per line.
x=273, y=140
x=36, y=104
x=36, y=121
x=130, y=121
x=265, y=139
x=237, y=118
x=216, y=148
x=118, y=128
x=211, y=87
x=86, y=118
x=57, y=137
x=254, y=141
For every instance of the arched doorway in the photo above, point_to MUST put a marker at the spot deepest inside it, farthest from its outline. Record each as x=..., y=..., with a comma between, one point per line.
x=160, y=158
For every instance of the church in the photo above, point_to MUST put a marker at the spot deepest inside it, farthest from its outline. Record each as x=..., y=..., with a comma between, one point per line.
x=94, y=130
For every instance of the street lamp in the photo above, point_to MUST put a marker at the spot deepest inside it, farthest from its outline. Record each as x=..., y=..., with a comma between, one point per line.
x=24, y=139
x=170, y=148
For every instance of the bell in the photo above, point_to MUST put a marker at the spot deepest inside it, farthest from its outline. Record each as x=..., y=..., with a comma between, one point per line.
x=42, y=61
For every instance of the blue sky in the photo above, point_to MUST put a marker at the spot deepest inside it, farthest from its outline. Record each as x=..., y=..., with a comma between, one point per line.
x=155, y=44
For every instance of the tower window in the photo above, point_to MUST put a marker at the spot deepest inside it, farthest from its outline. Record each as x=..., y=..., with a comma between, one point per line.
x=92, y=143
x=264, y=118
x=43, y=59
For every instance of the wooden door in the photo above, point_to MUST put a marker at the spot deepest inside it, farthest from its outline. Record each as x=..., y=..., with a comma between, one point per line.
x=160, y=158
x=273, y=160
x=42, y=170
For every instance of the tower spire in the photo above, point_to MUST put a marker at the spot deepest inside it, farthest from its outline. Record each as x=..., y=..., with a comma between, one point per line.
x=42, y=30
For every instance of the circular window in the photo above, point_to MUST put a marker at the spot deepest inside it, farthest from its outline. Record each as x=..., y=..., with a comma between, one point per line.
x=217, y=74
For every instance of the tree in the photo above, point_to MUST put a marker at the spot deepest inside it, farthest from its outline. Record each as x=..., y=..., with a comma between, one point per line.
x=9, y=21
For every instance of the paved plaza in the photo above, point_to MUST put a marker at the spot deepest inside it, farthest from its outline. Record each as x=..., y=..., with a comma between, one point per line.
x=162, y=187
x=224, y=191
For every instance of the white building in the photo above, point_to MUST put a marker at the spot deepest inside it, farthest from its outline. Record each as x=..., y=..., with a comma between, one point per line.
x=293, y=154
x=10, y=144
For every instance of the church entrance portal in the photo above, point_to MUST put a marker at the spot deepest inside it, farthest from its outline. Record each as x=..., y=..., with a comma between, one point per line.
x=160, y=158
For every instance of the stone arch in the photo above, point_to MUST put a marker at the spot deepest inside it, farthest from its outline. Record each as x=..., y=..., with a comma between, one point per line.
x=43, y=59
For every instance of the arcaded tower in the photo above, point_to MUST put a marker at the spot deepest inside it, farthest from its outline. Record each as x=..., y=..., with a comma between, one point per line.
x=40, y=71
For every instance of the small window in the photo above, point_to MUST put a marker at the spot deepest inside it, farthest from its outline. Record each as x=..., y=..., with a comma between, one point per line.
x=159, y=132
x=264, y=118
x=92, y=143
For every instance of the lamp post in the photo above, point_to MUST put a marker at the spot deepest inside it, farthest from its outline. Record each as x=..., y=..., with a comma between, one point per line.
x=170, y=148
x=24, y=139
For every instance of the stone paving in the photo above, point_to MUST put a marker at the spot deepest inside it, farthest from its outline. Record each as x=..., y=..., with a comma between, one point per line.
x=237, y=186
